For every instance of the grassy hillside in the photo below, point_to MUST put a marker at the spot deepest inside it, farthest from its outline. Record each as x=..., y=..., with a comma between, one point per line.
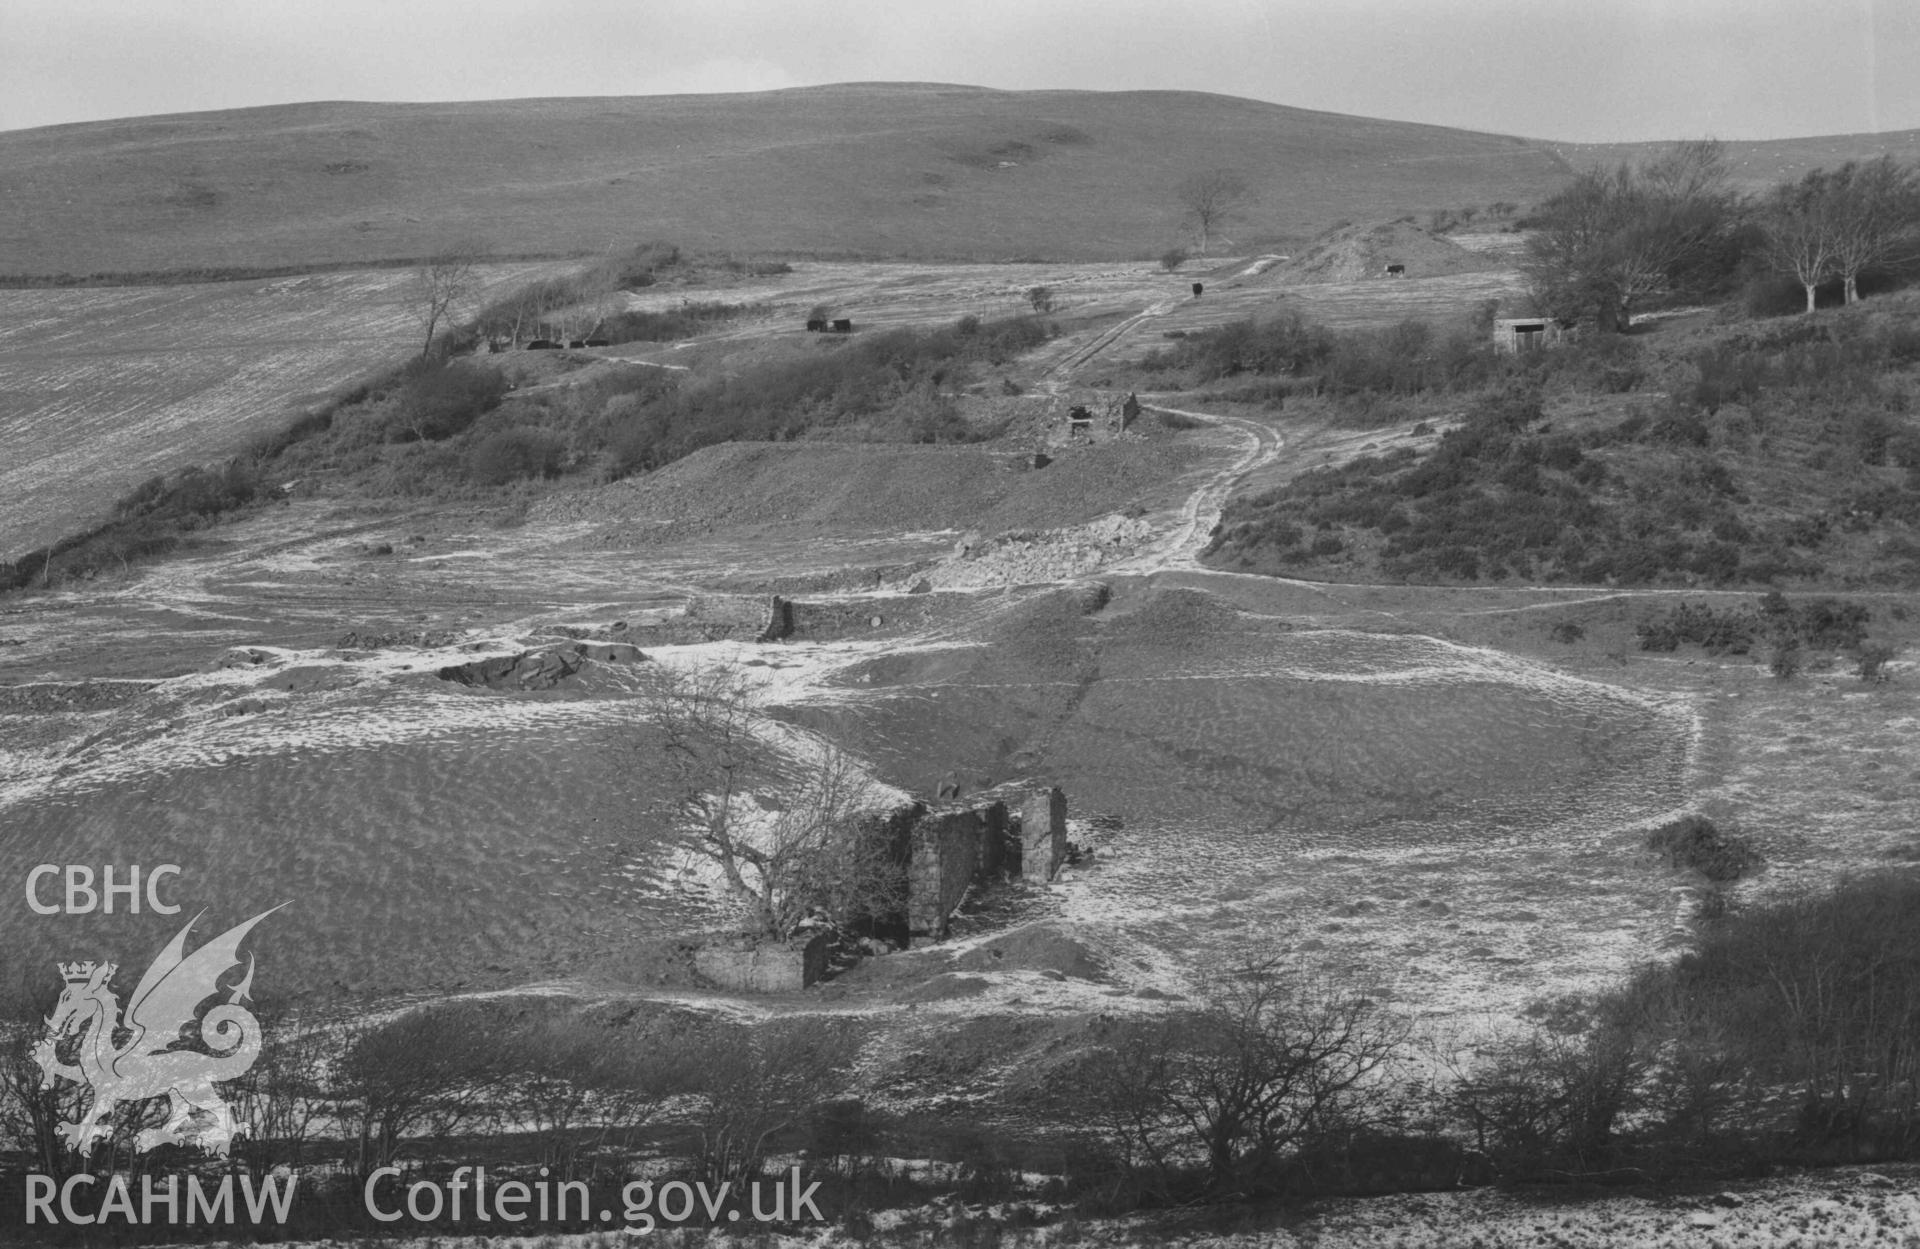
x=892, y=169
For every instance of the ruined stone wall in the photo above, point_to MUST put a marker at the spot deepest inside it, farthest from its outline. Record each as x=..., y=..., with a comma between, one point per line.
x=946, y=853
x=993, y=838
x=1043, y=834
x=747, y=966
x=854, y=618
x=950, y=847
x=746, y=612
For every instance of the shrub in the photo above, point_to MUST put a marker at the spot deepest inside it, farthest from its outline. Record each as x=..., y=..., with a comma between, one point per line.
x=1692, y=843
x=515, y=453
x=1041, y=299
x=1873, y=661
x=1786, y=660
x=891, y=384
x=1173, y=258
x=440, y=398
x=193, y=494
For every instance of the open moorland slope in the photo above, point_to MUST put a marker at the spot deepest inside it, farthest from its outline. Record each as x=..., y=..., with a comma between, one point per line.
x=906, y=170
x=876, y=169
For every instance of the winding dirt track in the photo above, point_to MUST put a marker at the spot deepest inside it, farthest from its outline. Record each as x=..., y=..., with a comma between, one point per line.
x=1201, y=513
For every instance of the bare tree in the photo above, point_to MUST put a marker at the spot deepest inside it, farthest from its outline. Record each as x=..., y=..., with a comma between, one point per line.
x=760, y=1081
x=1799, y=222
x=440, y=284
x=577, y=1081
x=281, y=1098
x=1212, y=199
x=1275, y=1058
x=431, y=1071
x=782, y=815
x=1877, y=209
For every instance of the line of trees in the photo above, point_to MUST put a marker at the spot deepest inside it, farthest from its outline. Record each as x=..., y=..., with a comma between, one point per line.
x=1612, y=238
x=1835, y=224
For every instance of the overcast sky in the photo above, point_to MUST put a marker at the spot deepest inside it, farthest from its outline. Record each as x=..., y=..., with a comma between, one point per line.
x=1593, y=70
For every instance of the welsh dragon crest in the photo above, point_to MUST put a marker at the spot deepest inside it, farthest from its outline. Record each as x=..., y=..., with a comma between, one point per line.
x=147, y=1063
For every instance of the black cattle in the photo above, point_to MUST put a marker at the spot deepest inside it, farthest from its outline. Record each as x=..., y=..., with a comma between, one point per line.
x=816, y=326
x=543, y=344
x=1197, y=288
x=599, y=342
x=1396, y=271
x=843, y=326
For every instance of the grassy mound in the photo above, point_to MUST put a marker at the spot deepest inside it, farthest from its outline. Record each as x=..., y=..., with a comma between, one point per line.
x=866, y=486
x=1180, y=712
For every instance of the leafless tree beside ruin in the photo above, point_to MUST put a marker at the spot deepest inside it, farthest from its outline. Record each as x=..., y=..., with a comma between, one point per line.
x=440, y=284
x=782, y=815
x=1212, y=199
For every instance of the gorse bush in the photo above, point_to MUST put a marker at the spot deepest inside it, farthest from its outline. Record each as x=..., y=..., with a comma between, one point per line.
x=190, y=494
x=1692, y=843
x=1821, y=624
x=440, y=398
x=513, y=453
x=897, y=380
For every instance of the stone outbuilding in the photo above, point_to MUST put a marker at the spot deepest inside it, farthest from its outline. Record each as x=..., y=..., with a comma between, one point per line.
x=1518, y=334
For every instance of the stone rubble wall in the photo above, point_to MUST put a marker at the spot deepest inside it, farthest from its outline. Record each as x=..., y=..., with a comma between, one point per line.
x=1043, y=834
x=745, y=966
